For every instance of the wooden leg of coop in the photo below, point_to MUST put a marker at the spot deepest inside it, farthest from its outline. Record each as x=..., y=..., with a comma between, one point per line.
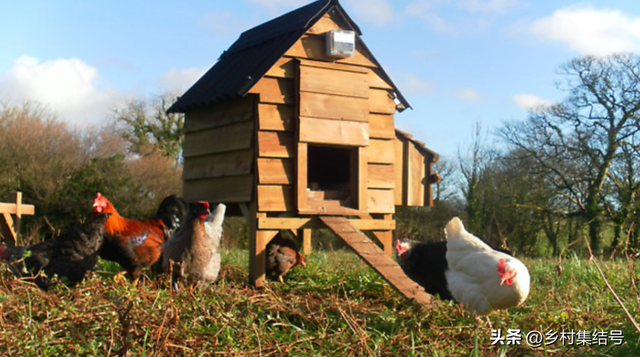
x=386, y=238
x=257, y=257
x=306, y=240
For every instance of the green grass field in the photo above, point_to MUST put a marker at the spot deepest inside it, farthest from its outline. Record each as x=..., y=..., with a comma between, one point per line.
x=336, y=306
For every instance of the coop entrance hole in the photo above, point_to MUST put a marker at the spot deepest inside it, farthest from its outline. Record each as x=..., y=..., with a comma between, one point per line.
x=329, y=173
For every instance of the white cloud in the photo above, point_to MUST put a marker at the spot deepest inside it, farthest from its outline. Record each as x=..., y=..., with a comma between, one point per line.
x=410, y=83
x=530, y=101
x=424, y=10
x=69, y=87
x=469, y=95
x=179, y=80
x=590, y=31
x=378, y=12
x=279, y=7
x=489, y=6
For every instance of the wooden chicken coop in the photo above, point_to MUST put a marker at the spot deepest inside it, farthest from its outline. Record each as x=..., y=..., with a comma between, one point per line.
x=294, y=128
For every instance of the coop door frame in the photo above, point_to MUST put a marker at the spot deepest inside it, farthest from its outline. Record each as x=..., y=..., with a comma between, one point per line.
x=333, y=110
x=357, y=189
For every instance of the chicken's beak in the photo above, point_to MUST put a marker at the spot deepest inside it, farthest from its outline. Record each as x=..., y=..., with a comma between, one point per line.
x=301, y=260
x=508, y=278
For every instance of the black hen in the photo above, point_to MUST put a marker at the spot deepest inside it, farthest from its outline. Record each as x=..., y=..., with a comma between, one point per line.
x=172, y=211
x=426, y=264
x=69, y=256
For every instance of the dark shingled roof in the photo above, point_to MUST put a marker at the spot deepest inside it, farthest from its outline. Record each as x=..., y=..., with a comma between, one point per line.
x=255, y=52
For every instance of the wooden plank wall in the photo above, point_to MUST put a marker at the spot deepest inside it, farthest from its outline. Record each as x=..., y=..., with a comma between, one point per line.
x=412, y=174
x=276, y=137
x=334, y=104
x=381, y=183
x=219, y=153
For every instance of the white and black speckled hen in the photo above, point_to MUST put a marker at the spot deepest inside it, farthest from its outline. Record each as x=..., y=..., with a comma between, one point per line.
x=466, y=270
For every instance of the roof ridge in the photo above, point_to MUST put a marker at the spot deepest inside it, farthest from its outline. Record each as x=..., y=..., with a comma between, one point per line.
x=294, y=23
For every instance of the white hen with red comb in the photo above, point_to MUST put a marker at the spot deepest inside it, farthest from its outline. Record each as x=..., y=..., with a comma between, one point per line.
x=481, y=278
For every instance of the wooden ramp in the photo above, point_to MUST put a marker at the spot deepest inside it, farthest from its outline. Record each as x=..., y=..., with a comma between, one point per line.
x=375, y=257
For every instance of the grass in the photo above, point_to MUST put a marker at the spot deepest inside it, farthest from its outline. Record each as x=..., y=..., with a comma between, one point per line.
x=336, y=306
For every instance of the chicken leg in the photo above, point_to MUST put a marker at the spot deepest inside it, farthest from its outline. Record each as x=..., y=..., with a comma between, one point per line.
x=119, y=277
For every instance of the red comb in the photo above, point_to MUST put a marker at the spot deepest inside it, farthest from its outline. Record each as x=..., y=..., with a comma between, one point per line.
x=204, y=203
x=501, y=267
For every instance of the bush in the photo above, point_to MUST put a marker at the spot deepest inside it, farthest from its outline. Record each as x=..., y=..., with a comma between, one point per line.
x=59, y=169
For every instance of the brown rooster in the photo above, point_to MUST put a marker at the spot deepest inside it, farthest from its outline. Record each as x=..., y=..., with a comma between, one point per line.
x=136, y=244
x=282, y=255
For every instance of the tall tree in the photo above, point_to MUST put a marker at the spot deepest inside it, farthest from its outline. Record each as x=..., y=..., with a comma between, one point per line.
x=146, y=124
x=472, y=163
x=447, y=188
x=623, y=189
x=576, y=142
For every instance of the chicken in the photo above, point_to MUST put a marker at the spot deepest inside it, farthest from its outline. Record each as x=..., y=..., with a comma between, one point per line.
x=466, y=270
x=172, y=211
x=425, y=263
x=282, y=255
x=192, y=252
x=136, y=244
x=69, y=256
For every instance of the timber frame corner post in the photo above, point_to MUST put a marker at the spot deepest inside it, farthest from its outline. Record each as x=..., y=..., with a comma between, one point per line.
x=10, y=216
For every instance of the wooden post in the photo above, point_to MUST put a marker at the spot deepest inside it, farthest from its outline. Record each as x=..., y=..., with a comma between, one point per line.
x=359, y=178
x=10, y=226
x=257, y=257
x=6, y=229
x=306, y=240
x=301, y=183
x=258, y=240
x=386, y=237
x=17, y=197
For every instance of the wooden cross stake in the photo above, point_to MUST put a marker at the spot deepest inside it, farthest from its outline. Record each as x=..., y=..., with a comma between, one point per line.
x=10, y=226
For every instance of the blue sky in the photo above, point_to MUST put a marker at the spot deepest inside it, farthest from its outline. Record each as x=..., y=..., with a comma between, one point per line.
x=458, y=62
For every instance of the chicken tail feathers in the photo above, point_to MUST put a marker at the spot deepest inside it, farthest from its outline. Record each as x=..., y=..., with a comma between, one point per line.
x=214, y=222
x=454, y=227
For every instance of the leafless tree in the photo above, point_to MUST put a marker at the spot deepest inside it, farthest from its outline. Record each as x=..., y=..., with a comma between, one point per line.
x=576, y=143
